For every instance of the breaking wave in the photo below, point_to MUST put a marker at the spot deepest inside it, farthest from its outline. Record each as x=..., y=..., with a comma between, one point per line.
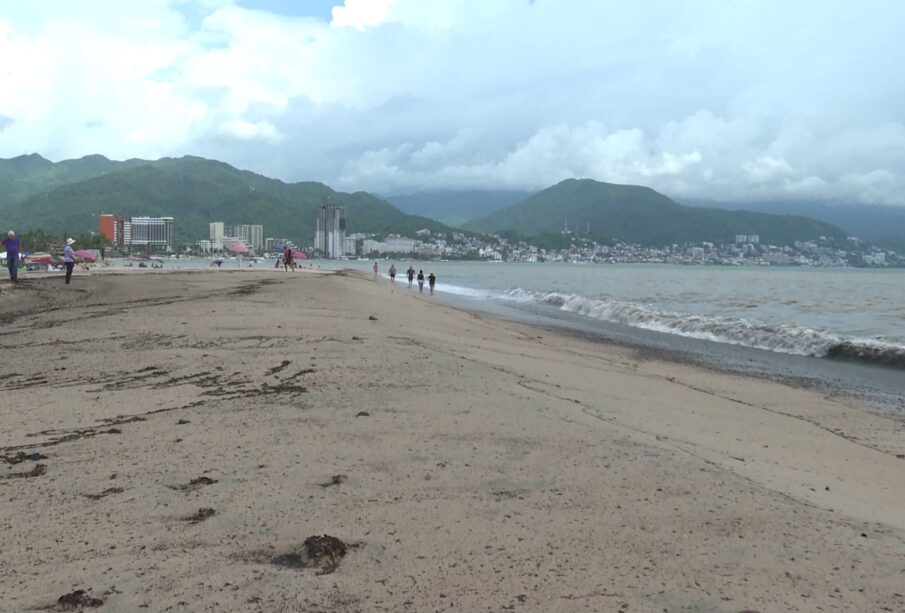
x=785, y=338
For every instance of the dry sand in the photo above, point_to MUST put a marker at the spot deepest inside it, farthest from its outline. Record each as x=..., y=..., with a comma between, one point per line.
x=468, y=463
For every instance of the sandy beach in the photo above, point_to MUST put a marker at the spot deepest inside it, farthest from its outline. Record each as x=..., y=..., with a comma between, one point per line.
x=171, y=441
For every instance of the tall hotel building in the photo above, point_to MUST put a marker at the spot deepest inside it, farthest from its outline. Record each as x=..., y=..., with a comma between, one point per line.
x=154, y=231
x=330, y=230
x=111, y=227
x=137, y=231
x=252, y=234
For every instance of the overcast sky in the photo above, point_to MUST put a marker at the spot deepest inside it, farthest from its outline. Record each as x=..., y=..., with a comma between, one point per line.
x=722, y=99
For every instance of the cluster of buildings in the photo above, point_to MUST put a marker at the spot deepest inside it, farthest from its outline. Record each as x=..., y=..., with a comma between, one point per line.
x=222, y=236
x=748, y=252
x=331, y=241
x=127, y=232
x=391, y=244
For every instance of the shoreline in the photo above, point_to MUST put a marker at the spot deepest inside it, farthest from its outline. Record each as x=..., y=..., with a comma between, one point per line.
x=875, y=383
x=856, y=351
x=467, y=461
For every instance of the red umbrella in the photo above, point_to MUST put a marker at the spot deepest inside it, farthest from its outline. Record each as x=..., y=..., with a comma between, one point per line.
x=84, y=254
x=238, y=247
x=299, y=255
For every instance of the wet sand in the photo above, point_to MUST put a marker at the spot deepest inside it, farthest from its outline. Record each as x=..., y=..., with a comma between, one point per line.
x=263, y=441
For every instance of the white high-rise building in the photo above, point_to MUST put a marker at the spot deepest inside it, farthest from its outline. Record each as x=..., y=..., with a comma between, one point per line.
x=156, y=231
x=252, y=234
x=330, y=230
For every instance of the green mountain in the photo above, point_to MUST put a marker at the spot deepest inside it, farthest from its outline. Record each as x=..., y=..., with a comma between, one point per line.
x=195, y=191
x=604, y=211
x=455, y=207
x=882, y=225
x=26, y=175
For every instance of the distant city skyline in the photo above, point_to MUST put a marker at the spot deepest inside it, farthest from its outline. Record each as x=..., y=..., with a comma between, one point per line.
x=703, y=99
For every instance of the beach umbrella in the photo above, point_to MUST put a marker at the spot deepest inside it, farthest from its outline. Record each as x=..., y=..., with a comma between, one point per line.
x=237, y=247
x=83, y=254
x=299, y=255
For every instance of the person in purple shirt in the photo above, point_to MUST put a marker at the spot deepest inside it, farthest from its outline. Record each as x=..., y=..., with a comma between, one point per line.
x=12, y=255
x=69, y=258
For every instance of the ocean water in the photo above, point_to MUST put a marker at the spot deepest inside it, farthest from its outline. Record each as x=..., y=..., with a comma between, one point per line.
x=820, y=312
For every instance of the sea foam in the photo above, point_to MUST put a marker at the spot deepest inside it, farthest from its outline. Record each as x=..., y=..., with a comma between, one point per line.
x=785, y=338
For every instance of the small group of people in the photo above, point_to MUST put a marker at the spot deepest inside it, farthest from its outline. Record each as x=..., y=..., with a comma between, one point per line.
x=13, y=250
x=410, y=273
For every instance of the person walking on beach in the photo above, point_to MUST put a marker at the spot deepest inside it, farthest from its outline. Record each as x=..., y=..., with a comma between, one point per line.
x=392, y=273
x=11, y=243
x=69, y=259
x=420, y=281
x=411, y=274
x=376, y=269
x=432, y=281
x=287, y=259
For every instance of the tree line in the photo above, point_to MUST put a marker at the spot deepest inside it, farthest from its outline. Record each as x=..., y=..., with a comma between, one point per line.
x=39, y=240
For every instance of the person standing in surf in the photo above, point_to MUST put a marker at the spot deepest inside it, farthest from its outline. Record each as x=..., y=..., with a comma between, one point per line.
x=420, y=281
x=432, y=281
x=411, y=274
x=392, y=273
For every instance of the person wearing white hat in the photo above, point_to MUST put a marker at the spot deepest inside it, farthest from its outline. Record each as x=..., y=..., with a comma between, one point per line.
x=69, y=258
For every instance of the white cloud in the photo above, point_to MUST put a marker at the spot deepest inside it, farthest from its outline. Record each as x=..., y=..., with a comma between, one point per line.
x=251, y=131
x=712, y=100
x=767, y=168
x=361, y=14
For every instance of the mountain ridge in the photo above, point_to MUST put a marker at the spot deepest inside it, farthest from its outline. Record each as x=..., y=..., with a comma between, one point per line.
x=67, y=196
x=883, y=225
x=194, y=190
x=638, y=214
x=456, y=207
